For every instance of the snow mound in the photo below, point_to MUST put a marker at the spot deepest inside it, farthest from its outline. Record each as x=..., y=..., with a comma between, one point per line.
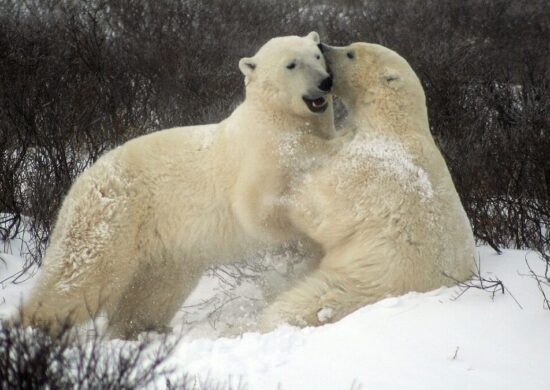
x=417, y=341
x=447, y=338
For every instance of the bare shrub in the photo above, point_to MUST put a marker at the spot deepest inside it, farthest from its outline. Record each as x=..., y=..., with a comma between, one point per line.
x=31, y=359
x=81, y=77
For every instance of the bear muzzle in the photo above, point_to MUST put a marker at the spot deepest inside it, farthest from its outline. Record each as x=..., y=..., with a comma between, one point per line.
x=326, y=84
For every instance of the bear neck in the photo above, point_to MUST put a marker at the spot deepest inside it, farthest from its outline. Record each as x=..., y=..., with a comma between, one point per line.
x=321, y=125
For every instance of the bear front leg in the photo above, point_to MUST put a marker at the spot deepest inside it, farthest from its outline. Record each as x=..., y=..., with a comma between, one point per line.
x=152, y=298
x=324, y=296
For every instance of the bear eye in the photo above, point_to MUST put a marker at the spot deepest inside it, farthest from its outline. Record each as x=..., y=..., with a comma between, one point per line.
x=350, y=55
x=292, y=65
x=318, y=56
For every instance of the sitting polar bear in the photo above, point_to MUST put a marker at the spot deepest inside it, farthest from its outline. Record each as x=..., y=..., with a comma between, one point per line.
x=139, y=227
x=384, y=209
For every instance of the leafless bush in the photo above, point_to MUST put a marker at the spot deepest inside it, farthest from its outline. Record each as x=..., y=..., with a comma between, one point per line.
x=31, y=359
x=81, y=77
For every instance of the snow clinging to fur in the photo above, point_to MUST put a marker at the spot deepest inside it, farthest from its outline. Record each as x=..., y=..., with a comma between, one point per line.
x=389, y=156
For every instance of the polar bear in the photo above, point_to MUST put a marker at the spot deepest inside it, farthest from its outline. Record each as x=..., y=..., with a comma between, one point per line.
x=384, y=209
x=138, y=228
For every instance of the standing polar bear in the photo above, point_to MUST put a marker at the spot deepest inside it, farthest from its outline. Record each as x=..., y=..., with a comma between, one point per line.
x=384, y=209
x=139, y=227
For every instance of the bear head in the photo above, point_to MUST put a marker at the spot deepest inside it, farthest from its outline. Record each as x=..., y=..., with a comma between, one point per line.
x=289, y=74
x=367, y=74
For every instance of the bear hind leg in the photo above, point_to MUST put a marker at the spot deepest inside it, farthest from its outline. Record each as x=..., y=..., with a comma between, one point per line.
x=54, y=310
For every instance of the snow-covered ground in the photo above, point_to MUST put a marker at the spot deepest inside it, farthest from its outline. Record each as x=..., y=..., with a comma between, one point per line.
x=444, y=339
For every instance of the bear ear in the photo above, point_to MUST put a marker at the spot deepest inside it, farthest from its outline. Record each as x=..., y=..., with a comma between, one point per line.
x=247, y=65
x=392, y=78
x=314, y=37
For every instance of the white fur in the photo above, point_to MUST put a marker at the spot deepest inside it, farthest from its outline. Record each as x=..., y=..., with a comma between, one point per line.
x=139, y=227
x=384, y=209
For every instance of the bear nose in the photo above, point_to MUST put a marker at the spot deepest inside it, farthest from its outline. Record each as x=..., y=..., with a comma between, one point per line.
x=326, y=84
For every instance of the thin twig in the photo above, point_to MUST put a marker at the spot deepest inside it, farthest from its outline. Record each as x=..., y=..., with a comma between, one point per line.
x=541, y=281
x=491, y=285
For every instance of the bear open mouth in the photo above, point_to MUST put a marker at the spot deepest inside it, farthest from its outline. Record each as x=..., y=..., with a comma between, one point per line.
x=316, y=105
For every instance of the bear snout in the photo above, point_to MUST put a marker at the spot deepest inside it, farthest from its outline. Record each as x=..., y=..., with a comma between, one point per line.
x=326, y=84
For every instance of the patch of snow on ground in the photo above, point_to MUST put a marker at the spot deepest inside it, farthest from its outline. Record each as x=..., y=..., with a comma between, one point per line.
x=14, y=285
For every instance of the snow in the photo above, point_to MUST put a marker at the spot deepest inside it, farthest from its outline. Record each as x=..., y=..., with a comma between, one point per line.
x=448, y=338
x=13, y=284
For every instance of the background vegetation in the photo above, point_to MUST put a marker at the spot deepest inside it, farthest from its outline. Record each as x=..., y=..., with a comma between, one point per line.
x=79, y=77
x=31, y=359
